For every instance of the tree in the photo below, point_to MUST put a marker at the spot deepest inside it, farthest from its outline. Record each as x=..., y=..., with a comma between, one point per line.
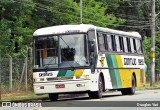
x=15, y=31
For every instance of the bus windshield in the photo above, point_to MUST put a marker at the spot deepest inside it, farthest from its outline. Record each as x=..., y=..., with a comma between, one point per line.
x=73, y=50
x=61, y=51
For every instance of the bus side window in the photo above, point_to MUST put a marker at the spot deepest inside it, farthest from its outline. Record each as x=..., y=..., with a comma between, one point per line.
x=117, y=43
x=101, y=43
x=134, y=43
x=125, y=44
x=132, y=46
x=121, y=44
x=128, y=44
x=106, y=41
x=109, y=43
x=139, y=47
x=113, y=42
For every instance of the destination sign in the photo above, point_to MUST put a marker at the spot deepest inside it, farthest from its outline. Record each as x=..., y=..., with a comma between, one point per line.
x=133, y=61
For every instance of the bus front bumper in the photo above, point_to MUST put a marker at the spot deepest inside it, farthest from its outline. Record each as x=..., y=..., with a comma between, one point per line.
x=61, y=87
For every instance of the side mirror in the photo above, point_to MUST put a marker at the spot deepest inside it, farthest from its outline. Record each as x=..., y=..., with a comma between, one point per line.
x=92, y=47
x=92, y=68
x=92, y=56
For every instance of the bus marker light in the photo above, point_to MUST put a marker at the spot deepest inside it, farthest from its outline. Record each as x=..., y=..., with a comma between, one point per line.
x=87, y=76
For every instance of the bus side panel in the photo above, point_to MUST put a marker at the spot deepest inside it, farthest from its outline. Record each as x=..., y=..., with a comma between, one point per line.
x=114, y=73
x=102, y=62
x=121, y=76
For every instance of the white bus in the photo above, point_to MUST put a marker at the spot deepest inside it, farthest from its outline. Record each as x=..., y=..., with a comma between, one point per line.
x=86, y=58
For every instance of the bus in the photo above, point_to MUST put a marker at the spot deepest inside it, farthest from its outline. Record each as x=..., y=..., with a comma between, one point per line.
x=79, y=58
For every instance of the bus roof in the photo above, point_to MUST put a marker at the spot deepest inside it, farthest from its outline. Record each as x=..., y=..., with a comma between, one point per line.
x=62, y=29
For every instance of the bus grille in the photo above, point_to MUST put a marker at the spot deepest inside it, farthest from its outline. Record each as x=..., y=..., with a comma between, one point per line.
x=59, y=78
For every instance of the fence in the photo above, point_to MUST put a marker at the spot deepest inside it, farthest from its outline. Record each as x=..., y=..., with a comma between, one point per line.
x=16, y=76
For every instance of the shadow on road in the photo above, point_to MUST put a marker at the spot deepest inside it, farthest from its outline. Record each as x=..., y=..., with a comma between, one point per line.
x=84, y=97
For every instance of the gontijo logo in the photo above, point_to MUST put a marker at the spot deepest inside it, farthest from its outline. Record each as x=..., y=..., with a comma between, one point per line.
x=102, y=61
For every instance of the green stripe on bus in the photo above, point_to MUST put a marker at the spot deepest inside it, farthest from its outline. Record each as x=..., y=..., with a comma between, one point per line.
x=61, y=73
x=70, y=73
x=111, y=71
x=114, y=73
x=117, y=73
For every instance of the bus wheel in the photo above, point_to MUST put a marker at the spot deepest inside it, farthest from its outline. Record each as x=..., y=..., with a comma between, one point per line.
x=53, y=96
x=131, y=91
x=97, y=94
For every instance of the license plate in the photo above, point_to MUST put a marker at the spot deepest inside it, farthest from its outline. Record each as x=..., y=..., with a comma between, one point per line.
x=60, y=86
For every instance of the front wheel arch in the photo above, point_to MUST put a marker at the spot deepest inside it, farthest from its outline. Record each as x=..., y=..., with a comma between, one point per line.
x=103, y=80
x=98, y=94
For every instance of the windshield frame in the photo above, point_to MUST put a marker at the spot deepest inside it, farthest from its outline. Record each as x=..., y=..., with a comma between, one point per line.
x=86, y=50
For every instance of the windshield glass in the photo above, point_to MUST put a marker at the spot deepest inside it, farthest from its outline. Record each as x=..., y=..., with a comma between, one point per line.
x=61, y=51
x=46, y=51
x=73, y=50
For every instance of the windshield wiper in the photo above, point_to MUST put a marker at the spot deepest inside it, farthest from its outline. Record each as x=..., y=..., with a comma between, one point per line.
x=73, y=68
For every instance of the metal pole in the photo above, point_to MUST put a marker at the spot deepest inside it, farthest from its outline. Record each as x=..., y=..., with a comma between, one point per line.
x=26, y=74
x=153, y=44
x=81, y=10
x=0, y=76
x=10, y=73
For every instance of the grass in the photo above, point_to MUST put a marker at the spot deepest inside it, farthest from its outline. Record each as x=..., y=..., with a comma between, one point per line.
x=20, y=96
x=147, y=86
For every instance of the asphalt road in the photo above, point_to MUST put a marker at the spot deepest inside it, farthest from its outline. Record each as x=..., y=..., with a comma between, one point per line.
x=150, y=99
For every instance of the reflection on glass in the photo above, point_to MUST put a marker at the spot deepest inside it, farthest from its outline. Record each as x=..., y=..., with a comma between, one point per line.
x=73, y=50
x=46, y=51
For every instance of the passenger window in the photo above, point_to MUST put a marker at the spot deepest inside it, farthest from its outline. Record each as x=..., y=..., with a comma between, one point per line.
x=106, y=41
x=134, y=43
x=109, y=43
x=117, y=43
x=128, y=44
x=125, y=44
x=132, y=47
x=101, y=42
x=113, y=42
x=121, y=44
x=139, y=47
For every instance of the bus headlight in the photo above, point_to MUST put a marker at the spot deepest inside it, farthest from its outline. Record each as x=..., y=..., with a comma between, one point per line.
x=39, y=80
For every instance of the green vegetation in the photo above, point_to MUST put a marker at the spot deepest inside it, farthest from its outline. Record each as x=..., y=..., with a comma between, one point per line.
x=21, y=95
x=20, y=18
x=147, y=86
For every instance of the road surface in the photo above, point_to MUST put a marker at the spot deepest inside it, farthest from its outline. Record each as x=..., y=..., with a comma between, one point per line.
x=150, y=99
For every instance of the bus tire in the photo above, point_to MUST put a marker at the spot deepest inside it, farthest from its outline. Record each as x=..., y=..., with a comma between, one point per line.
x=97, y=94
x=130, y=91
x=53, y=96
